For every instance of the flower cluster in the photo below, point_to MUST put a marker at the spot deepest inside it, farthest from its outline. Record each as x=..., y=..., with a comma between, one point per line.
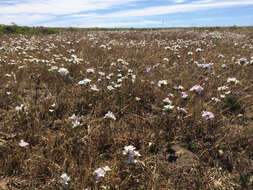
x=110, y=115
x=207, y=115
x=100, y=172
x=130, y=151
x=197, y=88
x=63, y=72
x=64, y=179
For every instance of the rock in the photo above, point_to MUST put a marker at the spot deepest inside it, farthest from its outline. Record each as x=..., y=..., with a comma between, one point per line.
x=180, y=157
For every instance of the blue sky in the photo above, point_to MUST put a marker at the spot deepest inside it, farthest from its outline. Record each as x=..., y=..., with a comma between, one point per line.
x=127, y=13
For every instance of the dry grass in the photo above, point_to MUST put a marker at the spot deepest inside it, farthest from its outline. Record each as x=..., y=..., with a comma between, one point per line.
x=178, y=150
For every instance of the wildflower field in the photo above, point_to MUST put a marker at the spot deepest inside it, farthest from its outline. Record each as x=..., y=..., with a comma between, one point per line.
x=127, y=109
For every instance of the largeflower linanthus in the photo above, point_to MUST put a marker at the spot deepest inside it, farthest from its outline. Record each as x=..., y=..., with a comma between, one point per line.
x=64, y=179
x=63, y=72
x=110, y=115
x=197, y=88
x=23, y=143
x=207, y=115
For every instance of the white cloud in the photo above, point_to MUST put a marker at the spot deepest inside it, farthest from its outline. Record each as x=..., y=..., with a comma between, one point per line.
x=22, y=19
x=83, y=13
x=180, y=8
x=59, y=7
x=179, y=1
x=123, y=24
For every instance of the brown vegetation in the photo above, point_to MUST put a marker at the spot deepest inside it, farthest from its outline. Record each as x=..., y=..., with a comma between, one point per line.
x=179, y=150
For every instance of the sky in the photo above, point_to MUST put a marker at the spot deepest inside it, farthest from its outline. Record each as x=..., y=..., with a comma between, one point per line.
x=126, y=13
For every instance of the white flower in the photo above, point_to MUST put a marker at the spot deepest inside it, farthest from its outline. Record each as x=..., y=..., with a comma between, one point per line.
x=215, y=99
x=90, y=71
x=224, y=65
x=63, y=72
x=182, y=110
x=222, y=88
x=199, y=50
x=19, y=108
x=110, y=115
x=53, y=68
x=106, y=169
x=23, y=143
x=137, y=99
x=84, y=82
x=76, y=120
x=228, y=92
x=120, y=60
x=167, y=100
x=100, y=172
x=233, y=80
x=197, y=88
x=184, y=95
x=119, y=80
x=94, y=88
x=117, y=85
x=110, y=87
x=207, y=115
x=130, y=151
x=64, y=179
x=133, y=78
x=179, y=87
x=242, y=61
x=103, y=46
x=162, y=83
x=76, y=123
x=168, y=107
x=165, y=59
x=221, y=56
x=101, y=73
x=130, y=71
x=73, y=117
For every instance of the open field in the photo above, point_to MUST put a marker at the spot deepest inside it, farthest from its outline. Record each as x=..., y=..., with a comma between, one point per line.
x=128, y=109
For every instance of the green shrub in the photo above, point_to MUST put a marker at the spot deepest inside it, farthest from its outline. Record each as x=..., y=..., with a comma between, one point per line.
x=14, y=29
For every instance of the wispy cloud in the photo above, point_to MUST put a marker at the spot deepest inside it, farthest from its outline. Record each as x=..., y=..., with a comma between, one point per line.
x=106, y=13
x=59, y=7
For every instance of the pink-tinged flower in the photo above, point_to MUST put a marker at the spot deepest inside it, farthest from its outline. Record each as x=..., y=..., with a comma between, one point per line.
x=182, y=110
x=90, y=70
x=197, y=88
x=179, y=87
x=100, y=172
x=207, y=115
x=184, y=95
x=23, y=143
x=130, y=151
x=148, y=70
x=19, y=108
